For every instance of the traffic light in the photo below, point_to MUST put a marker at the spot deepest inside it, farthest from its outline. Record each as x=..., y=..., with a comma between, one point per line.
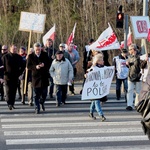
x=119, y=20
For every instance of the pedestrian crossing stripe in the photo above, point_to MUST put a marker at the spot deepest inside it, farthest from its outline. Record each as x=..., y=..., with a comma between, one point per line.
x=68, y=118
x=72, y=131
x=74, y=124
x=75, y=140
x=139, y=147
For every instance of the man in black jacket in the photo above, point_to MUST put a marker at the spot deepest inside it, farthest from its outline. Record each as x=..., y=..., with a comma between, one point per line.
x=51, y=55
x=134, y=76
x=38, y=62
x=13, y=67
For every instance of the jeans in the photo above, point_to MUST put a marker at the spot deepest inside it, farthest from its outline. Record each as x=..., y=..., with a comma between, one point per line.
x=118, y=86
x=61, y=93
x=131, y=87
x=39, y=92
x=51, y=86
x=95, y=104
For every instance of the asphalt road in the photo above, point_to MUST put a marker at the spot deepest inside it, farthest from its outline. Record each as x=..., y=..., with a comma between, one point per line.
x=69, y=127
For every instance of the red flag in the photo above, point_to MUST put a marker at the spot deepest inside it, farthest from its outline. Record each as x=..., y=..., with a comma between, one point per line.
x=129, y=39
x=148, y=36
x=50, y=34
x=71, y=37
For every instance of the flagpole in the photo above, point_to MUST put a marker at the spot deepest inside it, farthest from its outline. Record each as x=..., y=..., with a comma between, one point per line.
x=54, y=40
x=26, y=70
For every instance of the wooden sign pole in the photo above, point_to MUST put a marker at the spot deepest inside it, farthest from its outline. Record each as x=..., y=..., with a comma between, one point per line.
x=26, y=72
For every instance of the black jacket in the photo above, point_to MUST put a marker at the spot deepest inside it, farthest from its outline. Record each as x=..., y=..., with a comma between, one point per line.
x=13, y=66
x=39, y=76
x=135, y=66
x=50, y=52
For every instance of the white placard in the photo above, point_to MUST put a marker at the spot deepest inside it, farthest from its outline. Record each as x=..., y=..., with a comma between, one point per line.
x=32, y=22
x=97, y=83
x=144, y=71
x=140, y=25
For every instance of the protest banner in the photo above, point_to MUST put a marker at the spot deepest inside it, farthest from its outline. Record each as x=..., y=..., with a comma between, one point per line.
x=140, y=26
x=31, y=22
x=97, y=83
x=106, y=41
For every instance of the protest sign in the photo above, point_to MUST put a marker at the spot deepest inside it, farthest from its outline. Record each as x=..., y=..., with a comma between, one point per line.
x=106, y=41
x=97, y=83
x=140, y=26
x=32, y=22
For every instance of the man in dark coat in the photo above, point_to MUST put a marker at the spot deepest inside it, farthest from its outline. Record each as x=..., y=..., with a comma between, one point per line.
x=4, y=51
x=38, y=62
x=13, y=67
x=51, y=54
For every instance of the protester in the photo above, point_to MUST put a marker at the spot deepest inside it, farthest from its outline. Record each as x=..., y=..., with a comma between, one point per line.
x=22, y=53
x=95, y=104
x=134, y=76
x=61, y=71
x=4, y=51
x=144, y=99
x=29, y=88
x=66, y=54
x=75, y=59
x=86, y=55
x=121, y=72
x=51, y=54
x=1, y=80
x=90, y=56
x=38, y=63
x=13, y=67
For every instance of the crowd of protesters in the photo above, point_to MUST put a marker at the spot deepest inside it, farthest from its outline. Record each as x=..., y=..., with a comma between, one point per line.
x=32, y=72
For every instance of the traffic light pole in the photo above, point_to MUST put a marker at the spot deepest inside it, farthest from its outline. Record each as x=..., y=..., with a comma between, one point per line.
x=143, y=41
x=126, y=29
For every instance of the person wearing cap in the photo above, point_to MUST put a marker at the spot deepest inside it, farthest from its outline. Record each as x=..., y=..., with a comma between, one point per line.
x=66, y=54
x=61, y=71
x=121, y=72
x=13, y=68
x=38, y=63
x=51, y=51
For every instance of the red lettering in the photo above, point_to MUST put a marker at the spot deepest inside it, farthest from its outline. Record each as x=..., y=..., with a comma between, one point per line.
x=108, y=41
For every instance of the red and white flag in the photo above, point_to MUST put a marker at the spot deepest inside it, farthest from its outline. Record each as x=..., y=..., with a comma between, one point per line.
x=148, y=36
x=106, y=41
x=50, y=34
x=129, y=39
x=71, y=37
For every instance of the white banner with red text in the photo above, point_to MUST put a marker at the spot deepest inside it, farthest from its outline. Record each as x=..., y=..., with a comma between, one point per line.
x=97, y=83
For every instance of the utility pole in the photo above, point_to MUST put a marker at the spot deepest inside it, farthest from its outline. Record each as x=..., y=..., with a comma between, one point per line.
x=126, y=30
x=145, y=13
